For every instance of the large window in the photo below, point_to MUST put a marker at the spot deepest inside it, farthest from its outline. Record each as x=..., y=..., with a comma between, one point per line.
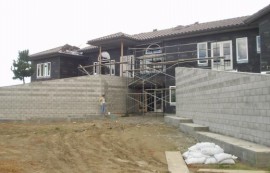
x=127, y=68
x=222, y=55
x=172, y=95
x=96, y=68
x=242, y=50
x=202, y=53
x=44, y=70
x=107, y=67
x=258, y=43
x=153, y=56
x=111, y=67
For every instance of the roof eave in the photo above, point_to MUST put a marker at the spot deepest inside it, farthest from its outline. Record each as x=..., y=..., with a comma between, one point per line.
x=51, y=55
x=113, y=42
x=203, y=32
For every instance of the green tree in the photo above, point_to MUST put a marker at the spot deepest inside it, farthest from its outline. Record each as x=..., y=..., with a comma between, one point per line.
x=22, y=67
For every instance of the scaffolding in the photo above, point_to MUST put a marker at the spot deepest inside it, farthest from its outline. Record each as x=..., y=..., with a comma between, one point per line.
x=150, y=71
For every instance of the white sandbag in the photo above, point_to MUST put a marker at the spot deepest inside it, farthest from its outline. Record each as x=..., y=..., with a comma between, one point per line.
x=193, y=148
x=211, y=160
x=197, y=154
x=210, y=151
x=185, y=154
x=227, y=161
x=234, y=157
x=222, y=156
x=200, y=160
x=204, y=145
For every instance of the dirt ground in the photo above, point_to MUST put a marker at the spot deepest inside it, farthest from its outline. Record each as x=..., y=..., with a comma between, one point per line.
x=112, y=145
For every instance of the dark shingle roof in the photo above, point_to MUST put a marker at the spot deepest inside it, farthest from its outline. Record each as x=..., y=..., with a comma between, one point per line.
x=189, y=30
x=111, y=37
x=154, y=34
x=179, y=30
x=66, y=49
x=88, y=48
x=194, y=28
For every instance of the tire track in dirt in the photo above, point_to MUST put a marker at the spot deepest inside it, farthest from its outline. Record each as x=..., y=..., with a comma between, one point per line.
x=129, y=145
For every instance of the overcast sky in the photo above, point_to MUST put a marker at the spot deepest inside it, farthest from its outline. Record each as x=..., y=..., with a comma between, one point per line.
x=39, y=25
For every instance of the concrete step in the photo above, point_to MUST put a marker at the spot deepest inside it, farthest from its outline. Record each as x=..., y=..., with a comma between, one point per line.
x=248, y=152
x=191, y=128
x=175, y=162
x=175, y=120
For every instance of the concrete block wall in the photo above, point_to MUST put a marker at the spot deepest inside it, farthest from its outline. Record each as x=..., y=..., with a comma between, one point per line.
x=62, y=98
x=231, y=103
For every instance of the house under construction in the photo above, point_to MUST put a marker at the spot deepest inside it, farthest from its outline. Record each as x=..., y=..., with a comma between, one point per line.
x=148, y=59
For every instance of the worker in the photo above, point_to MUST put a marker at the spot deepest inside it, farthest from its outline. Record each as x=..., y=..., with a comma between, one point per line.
x=102, y=104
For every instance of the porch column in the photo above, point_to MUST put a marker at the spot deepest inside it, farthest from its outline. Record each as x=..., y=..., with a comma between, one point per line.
x=99, y=60
x=121, y=58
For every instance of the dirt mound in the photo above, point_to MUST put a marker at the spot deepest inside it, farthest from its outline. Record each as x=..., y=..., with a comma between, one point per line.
x=130, y=144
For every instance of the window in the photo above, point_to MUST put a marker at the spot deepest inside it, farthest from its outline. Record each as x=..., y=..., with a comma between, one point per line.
x=222, y=55
x=44, y=70
x=242, y=50
x=202, y=53
x=107, y=67
x=111, y=66
x=258, y=43
x=127, y=69
x=96, y=68
x=153, y=54
x=172, y=95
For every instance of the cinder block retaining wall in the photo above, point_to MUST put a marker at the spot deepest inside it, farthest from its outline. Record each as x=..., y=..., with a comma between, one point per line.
x=230, y=103
x=71, y=97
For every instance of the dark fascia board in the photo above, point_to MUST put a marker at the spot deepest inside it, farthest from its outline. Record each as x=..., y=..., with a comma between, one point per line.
x=58, y=54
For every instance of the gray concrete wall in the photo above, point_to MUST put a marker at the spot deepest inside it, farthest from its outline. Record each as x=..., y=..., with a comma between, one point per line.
x=231, y=103
x=62, y=98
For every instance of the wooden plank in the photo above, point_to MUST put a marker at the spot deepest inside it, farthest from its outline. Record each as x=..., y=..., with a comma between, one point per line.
x=176, y=163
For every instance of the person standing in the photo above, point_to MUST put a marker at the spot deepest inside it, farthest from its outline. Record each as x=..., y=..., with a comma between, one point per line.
x=102, y=105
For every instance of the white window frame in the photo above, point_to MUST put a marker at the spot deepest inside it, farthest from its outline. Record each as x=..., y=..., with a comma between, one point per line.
x=127, y=66
x=170, y=94
x=44, y=70
x=201, y=58
x=237, y=50
x=96, y=68
x=220, y=64
x=258, y=44
x=109, y=63
x=112, y=67
x=144, y=62
x=38, y=70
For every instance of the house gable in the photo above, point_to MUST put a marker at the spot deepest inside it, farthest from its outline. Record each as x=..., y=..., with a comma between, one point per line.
x=59, y=62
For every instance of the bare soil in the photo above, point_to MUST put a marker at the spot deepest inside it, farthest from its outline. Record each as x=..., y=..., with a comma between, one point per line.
x=111, y=145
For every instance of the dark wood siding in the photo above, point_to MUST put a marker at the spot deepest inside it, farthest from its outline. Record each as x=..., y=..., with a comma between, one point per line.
x=114, y=55
x=61, y=67
x=69, y=67
x=187, y=50
x=265, y=43
x=55, y=68
x=253, y=57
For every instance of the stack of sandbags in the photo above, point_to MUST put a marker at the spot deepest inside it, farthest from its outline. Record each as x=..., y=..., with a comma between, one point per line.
x=207, y=153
